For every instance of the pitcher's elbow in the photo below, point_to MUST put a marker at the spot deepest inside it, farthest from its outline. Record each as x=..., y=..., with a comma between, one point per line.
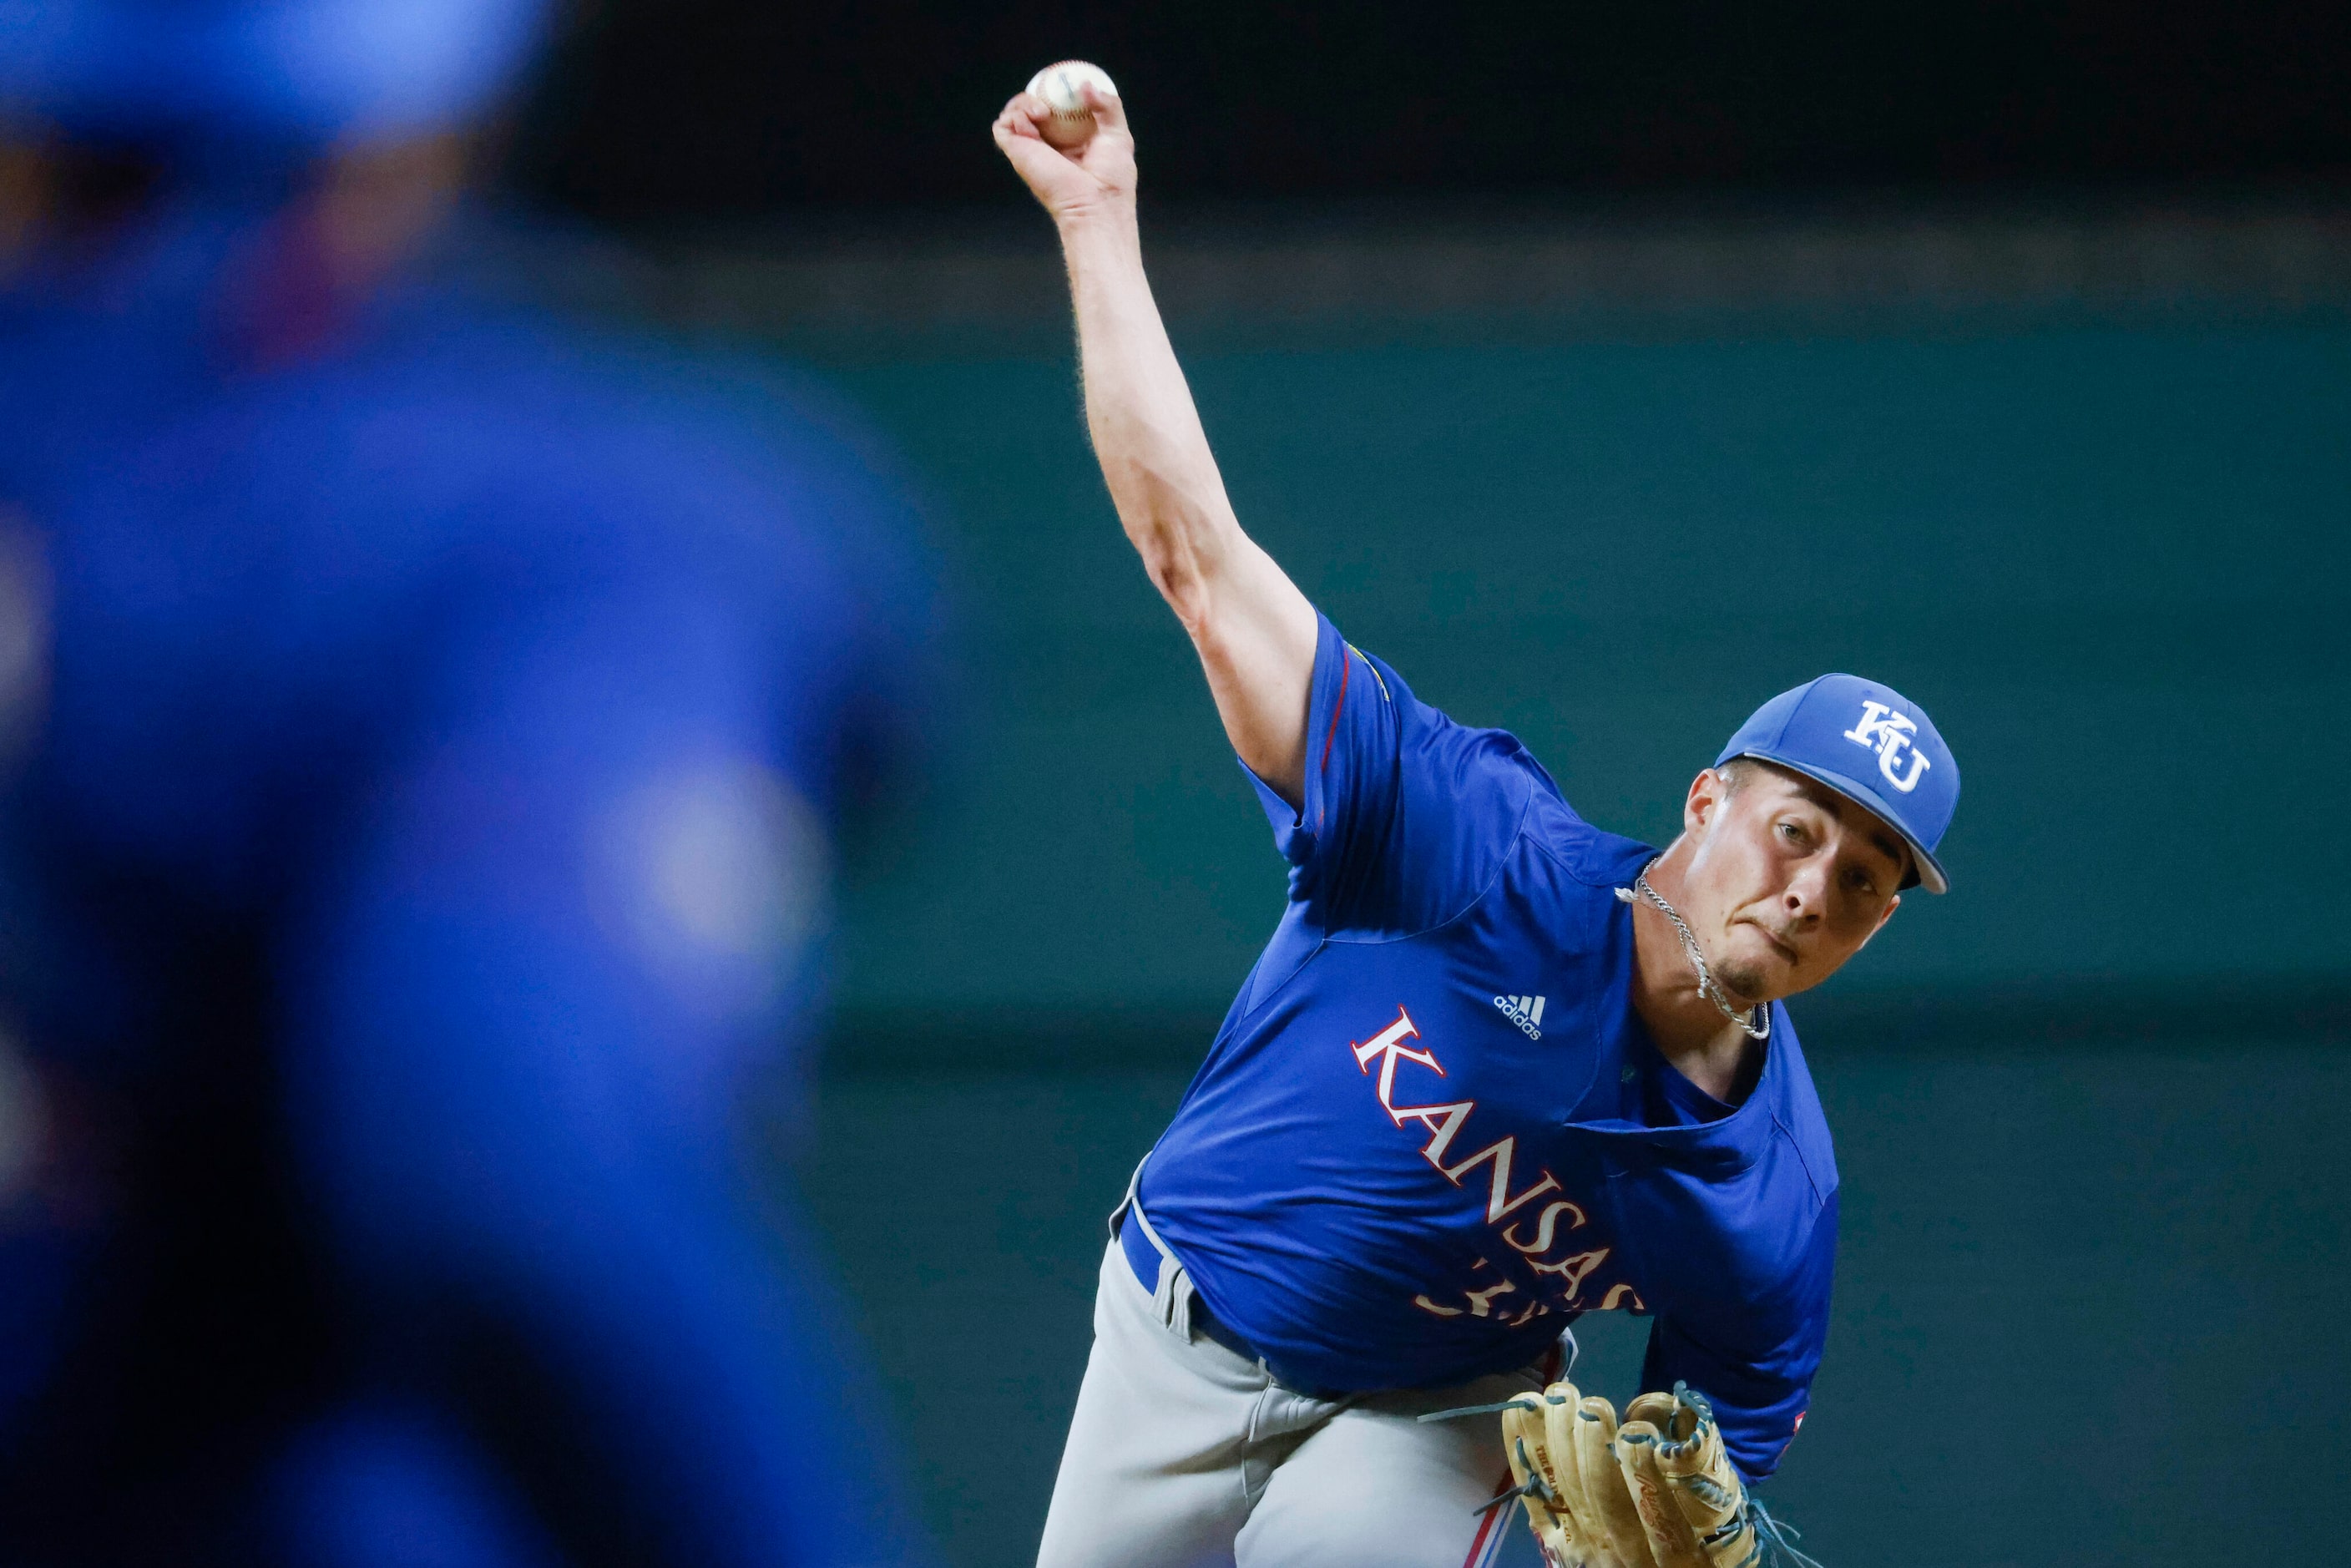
x=1187, y=594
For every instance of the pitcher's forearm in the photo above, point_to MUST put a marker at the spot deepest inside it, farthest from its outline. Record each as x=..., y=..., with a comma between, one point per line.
x=1254, y=630
x=1146, y=431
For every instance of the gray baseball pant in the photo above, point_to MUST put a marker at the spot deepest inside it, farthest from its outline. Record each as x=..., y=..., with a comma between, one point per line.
x=1183, y=1454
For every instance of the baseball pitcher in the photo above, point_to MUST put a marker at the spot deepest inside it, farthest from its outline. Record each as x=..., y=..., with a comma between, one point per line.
x=1495, y=1068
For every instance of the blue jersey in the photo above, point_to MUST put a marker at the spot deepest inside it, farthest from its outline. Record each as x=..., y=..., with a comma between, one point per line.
x=1433, y=1129
x=426, y=835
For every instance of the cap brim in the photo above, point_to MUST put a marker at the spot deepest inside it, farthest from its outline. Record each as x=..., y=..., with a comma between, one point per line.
x=1930, y=870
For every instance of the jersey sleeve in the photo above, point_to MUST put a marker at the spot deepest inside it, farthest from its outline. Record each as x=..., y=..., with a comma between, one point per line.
x=1406, y=814
x=1756, y=1367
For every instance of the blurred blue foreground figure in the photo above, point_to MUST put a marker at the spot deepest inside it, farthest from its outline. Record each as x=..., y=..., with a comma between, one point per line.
x=427, y=732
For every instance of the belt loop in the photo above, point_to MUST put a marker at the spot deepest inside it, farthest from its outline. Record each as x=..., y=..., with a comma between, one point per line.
x=1172, y=1299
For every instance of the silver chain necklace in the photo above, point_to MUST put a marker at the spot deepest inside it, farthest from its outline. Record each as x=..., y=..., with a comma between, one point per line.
x=1756, y=1023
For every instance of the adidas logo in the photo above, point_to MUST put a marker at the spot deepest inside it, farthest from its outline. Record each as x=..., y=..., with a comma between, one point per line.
x=1525, y=1011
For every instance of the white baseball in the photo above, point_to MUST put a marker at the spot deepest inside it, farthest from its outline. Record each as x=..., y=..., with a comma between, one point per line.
x=1072, y=121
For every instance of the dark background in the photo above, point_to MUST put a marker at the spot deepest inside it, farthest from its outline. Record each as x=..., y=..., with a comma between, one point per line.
x=709, y=108
x=1606, y=422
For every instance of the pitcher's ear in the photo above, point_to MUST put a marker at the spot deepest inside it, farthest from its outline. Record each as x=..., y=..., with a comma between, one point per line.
x=1708, y=792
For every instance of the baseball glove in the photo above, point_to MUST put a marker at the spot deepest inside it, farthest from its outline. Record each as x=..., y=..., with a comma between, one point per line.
x=1658, y=1491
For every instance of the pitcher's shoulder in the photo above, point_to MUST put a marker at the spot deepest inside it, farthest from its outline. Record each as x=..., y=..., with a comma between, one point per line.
x=1593, y=859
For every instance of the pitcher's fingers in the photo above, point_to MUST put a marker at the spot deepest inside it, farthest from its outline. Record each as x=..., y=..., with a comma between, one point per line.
x=1021, y=113
x=1040, y=164
x=1109, y=112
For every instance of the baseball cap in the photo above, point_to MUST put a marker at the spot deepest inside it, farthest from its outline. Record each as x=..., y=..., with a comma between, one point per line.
x=1870, y=744
x=300, y=71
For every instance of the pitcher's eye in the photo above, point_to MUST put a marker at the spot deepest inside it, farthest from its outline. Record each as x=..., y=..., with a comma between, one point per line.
x=1791, y=832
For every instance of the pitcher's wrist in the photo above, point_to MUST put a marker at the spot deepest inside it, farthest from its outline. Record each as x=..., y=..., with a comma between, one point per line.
x=1103, y=226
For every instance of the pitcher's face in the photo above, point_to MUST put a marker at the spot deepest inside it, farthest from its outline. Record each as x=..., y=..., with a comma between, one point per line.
x=1787, y=878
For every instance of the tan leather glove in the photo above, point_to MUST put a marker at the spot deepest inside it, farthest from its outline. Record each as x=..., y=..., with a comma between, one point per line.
x=1657, y=1493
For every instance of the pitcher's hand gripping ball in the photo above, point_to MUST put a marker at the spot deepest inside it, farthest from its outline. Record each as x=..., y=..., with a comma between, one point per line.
x=1058, y=86
x=1657, y=1492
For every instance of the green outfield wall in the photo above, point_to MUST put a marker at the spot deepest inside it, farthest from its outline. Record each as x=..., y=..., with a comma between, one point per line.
x=2110, y=558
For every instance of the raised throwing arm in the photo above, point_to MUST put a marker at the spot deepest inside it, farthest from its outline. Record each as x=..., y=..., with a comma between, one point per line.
x=1254, y=630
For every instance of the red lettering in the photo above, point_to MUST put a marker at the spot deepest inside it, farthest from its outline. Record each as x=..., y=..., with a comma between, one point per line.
x=1442, y=1121
x=1387, y=1045
x=1500, y=1203
x=1544, y=1225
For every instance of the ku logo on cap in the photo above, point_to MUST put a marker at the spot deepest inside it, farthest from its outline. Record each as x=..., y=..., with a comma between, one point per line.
x=1888, y=734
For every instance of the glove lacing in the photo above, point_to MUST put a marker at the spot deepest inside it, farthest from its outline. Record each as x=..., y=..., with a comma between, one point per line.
x=1774, y=1541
